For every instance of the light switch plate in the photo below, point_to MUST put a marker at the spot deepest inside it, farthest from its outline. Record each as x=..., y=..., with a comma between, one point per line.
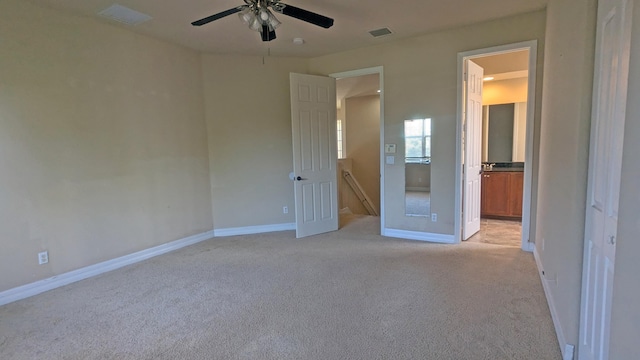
x=391, y=160
x=390, y=148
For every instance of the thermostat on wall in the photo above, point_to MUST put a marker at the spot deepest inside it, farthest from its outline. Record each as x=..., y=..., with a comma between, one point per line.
x=390, y=148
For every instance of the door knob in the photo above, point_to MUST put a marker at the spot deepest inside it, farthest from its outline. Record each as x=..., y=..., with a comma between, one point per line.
x=300, y=178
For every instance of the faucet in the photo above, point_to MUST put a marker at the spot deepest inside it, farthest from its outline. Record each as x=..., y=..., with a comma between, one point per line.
x=487, y=166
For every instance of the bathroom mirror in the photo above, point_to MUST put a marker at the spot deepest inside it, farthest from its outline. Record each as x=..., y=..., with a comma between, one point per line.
x=503, y=132
x=417, y=167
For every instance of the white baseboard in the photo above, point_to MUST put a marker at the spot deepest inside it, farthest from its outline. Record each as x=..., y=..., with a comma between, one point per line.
x=417, y=235
x=552, y=306
x=35, y=288
x=248, y=230
x=529, y=247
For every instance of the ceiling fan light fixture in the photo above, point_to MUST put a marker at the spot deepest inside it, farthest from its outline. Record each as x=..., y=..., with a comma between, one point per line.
x=264, y=14
x=256, y=18
x=277, y=6
x=255, y=24
x=257, y=15
x=246, y=15
x=273, y=21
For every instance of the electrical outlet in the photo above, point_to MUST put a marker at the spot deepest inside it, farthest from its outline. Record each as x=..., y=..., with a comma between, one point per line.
x=434, y=217
x=285, y=210
x=43, y=257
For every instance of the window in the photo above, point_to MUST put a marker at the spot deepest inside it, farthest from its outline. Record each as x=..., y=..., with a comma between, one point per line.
x=417, y=139
x=340, y=138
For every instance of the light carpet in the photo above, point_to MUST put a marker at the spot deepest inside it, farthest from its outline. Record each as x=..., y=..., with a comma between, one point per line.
x=417, y=203
x=350, y=294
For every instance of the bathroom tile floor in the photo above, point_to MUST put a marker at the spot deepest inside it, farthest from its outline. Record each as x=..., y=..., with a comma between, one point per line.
x=499, y=232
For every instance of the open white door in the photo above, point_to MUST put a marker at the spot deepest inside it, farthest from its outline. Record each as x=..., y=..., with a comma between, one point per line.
x=313, y=122
x=472, y=150
x=605, y=165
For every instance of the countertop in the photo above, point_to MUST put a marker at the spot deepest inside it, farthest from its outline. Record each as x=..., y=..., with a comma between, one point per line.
x=505, y=170
x=504, y=166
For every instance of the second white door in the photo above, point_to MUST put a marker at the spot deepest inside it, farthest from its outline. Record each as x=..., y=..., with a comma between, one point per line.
x=472, y=150
x=313, y=122
x=607, y=135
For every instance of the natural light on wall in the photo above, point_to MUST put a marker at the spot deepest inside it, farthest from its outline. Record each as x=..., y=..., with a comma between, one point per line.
x=340, y=138
x=417, y=135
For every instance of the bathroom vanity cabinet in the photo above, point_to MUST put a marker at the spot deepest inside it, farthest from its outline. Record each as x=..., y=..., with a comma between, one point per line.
x=501, y=195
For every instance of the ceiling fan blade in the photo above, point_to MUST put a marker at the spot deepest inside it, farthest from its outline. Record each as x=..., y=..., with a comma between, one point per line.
x=217, y=16
x=267, y=35
x=307, y=16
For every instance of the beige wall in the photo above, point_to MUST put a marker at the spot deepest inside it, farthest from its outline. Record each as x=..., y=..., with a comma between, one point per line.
x=248, y=116
x=504, y=91
x=363, y=143
x=103, y=146
x=420, y=80
x=625, y=323
x=564, y=149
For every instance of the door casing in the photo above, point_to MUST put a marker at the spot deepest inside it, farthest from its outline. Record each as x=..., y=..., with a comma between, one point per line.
x=532, y=46
x=368, y=71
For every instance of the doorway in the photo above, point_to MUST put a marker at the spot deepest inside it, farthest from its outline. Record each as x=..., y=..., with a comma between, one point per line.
x=504, y=145
x=359, y=133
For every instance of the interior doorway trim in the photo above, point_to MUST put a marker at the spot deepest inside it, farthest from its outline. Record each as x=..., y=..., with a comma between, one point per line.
x=532, y=46
x=369, y=71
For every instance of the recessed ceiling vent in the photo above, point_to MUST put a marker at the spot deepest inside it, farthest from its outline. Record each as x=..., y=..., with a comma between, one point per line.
x=380, y=32
x=124, y=15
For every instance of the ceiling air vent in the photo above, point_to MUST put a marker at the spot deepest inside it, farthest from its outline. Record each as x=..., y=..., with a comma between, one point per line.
x=380, y=32
x=124, y=15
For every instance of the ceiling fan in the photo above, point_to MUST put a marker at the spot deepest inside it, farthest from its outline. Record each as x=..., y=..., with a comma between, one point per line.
x=258, y=16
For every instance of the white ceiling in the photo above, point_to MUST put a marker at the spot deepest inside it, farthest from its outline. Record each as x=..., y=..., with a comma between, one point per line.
x=353, y=20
